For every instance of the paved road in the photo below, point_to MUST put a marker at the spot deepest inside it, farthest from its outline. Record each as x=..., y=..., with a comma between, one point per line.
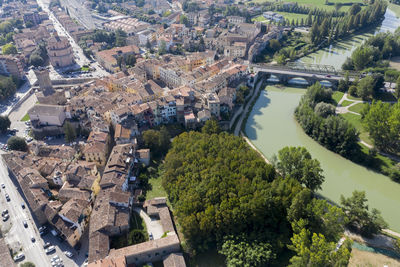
x=80, y=58
x=17, y=233
x=243, y=115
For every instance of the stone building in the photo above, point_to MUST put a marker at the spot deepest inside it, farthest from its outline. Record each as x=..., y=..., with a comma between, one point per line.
x=60, y=51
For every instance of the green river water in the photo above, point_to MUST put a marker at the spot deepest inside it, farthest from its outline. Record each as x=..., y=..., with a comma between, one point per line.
x=271, y=126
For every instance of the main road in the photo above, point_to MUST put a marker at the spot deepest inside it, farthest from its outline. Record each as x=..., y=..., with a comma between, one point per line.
x=16, y=234
x=80, y=57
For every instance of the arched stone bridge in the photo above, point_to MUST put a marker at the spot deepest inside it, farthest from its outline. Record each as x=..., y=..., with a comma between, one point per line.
x=310, y=72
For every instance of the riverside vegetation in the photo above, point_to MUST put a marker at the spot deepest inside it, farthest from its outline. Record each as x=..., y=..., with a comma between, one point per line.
x=317, y=117
x=226, y=197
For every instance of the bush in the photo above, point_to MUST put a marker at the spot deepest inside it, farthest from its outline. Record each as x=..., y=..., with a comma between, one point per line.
x=17, y=143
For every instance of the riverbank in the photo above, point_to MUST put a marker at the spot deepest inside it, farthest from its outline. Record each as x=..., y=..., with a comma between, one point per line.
x=271, y=126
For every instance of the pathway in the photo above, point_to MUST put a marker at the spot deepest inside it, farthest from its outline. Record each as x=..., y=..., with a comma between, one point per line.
x=253, y=147
x=342, y=110
x=243, y=115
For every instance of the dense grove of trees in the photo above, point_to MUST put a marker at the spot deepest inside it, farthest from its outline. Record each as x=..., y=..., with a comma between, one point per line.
x=377, y=48
x=225, y=195
x=333, y=28
x=333, y=132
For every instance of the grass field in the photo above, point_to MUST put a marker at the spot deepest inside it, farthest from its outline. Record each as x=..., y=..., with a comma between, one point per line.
x=356, y=121
x=395, y=9
x=25, y=118
x=353, y=97
x=337, y=95
x=291, y=16
x=358, y=107
x=287, y=15
x=365, y=258
x=157, y=190
x=346, y=103
x=318, y=3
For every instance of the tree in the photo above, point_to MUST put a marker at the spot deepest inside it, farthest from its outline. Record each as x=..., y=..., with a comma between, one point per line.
x=296, y=163
x=157, y=140
x=317, y=251
x=355, y=8
x=365, y=87
x=359, y=217
x=4, y=123
x=184, y=20
x=69, y=131
x=382, y=121
x=362, y=57
x=9, y=49
x=35, y=60
x=163, y=48
x=211, y=127
x=240, y=252
x=17, y=143
x=324, y=109
x=397, y=90
x=274, y=45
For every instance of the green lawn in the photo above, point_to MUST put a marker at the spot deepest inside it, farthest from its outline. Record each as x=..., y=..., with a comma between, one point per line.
x=346, y=103
x=25, y=118
x=287, y=15
x=395, y=9
x=353, y=97
x=157, y=190
x=320, y=4
x=259, y=18
x=356, y=121
x=291, y=16
x=337, y=95
x=358, y=107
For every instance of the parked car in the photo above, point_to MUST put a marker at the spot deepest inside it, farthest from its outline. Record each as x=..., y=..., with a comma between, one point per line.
x=151, y=237
x=19, y=257
x=46, y=245
x=23, y=205
x=33, y=239
x=50, y=249
x=25, y=224
x=68, y=254
x=3, y=186
x=4, y=212
x=6, y=217
x=7, y=197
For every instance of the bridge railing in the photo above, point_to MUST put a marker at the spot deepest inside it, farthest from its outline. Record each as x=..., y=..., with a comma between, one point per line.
x=308, y=68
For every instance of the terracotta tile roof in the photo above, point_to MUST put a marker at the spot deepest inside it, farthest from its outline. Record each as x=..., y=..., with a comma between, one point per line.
x=174, y=260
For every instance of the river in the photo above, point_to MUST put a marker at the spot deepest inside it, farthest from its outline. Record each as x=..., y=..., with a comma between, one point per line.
x=336, y=53
x=271, y=126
